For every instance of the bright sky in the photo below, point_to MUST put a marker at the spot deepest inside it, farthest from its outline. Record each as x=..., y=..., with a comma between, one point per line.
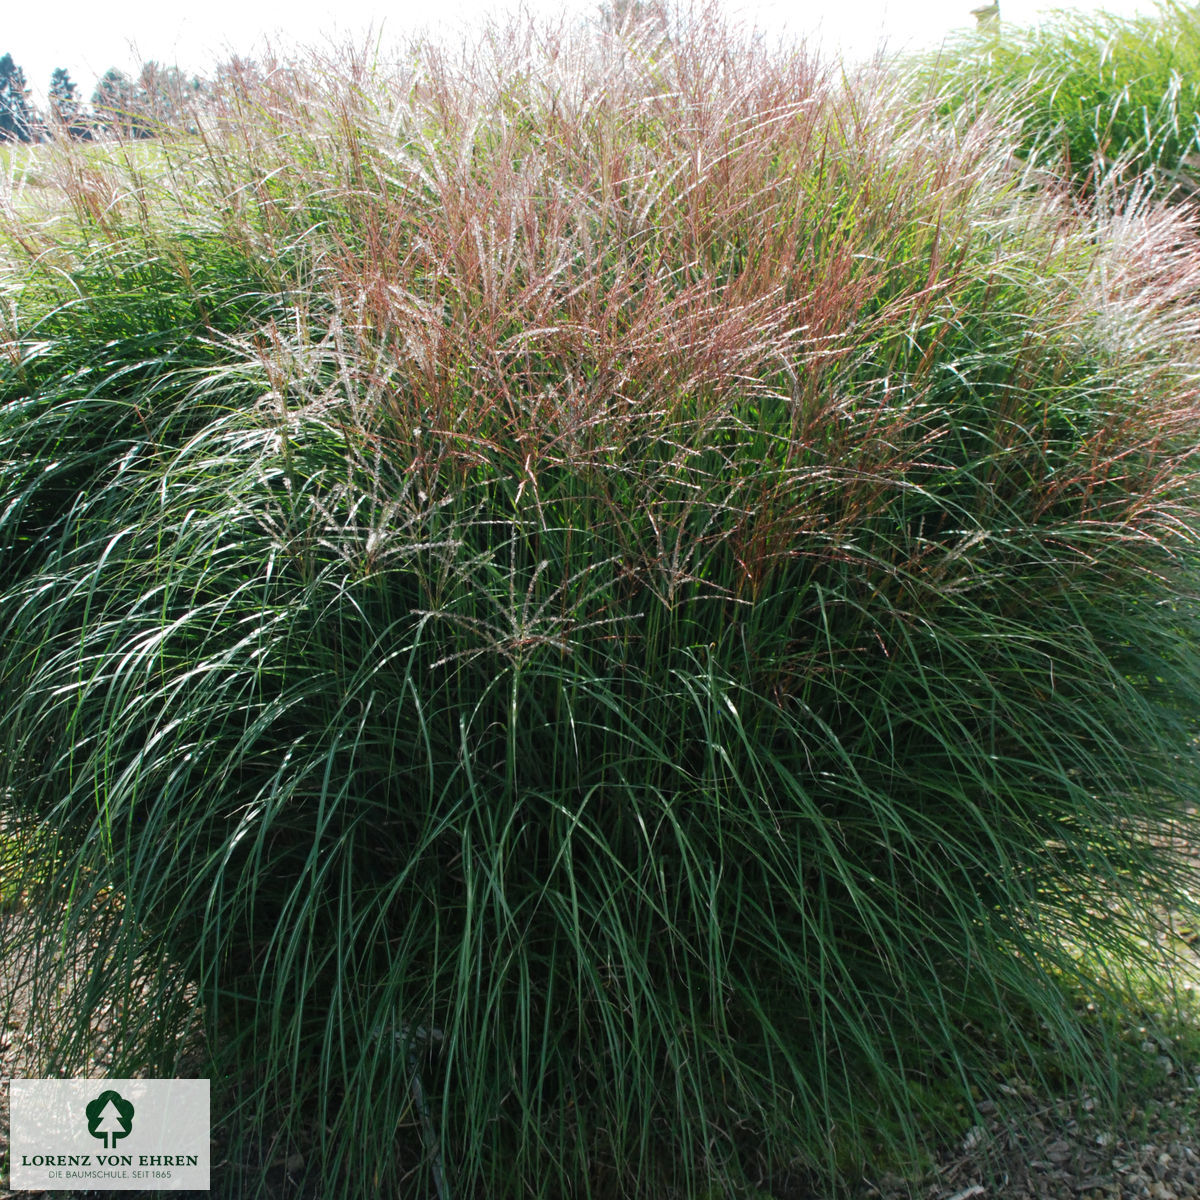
x=87, y=37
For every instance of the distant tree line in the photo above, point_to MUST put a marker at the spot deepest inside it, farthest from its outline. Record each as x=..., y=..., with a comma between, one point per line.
x=161, y=97
x=132, y=107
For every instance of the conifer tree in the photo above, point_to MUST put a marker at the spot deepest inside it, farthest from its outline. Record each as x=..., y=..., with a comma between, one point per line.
x=116, y=104
x=17, y=121
x=66, y=109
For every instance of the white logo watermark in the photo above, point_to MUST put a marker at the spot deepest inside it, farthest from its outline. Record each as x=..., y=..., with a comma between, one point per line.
x=117, y=1135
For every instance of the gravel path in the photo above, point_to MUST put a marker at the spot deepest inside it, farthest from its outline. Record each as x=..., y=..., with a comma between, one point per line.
x=1069, y=1152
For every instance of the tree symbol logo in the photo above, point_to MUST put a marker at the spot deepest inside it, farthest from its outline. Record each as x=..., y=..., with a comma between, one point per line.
x=109, y=1116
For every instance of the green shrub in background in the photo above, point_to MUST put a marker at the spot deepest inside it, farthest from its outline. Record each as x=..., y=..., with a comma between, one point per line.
x=1102, y=95
x=601, y=618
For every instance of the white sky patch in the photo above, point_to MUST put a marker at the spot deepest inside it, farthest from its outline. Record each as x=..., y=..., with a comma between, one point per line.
x=88, y=37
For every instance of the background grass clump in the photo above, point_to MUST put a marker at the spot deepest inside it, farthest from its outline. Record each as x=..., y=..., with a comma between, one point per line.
x=1106, y=98
x=600, y=617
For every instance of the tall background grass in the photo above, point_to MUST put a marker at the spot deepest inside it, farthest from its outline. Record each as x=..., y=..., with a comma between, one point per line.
x=607, y=616
x=1107, y=99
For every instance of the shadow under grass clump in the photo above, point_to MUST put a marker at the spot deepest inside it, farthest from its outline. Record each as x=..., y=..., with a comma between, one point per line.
x=649, y=627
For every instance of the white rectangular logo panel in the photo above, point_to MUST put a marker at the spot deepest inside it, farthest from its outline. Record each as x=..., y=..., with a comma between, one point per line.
x=118, y=1135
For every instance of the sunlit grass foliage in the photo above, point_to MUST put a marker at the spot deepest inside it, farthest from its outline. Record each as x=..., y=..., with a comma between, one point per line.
x=605, y=613
x=1105, y=97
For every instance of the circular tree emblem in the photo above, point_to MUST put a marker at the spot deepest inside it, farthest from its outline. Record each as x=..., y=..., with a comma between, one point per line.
x=109, y=1116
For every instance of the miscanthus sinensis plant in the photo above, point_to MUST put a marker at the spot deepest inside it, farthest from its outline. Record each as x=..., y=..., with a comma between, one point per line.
x=605, y=615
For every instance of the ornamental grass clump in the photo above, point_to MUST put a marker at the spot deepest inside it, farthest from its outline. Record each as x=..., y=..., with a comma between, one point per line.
x=606, y=616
